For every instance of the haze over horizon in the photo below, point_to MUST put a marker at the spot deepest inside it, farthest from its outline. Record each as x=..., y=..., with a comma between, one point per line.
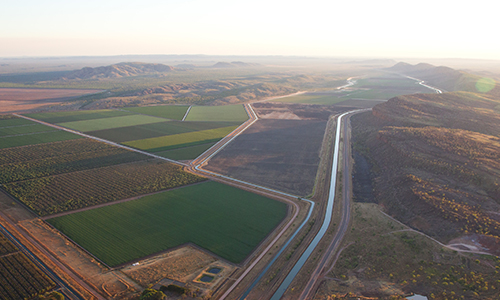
x=364, y=28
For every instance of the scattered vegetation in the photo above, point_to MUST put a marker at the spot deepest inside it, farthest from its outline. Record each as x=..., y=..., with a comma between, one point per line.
x=24, y=163
x=53, y=194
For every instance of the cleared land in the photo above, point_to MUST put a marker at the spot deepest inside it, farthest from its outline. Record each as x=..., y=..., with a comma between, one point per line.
x=18, y=99
x=224, y=220
x=36, y=138
x=79, y=115
x=23, y=163
x=174, y=112
x=169, y=142
x=19, y=277
x=113, y=122
x=54, y=194
x=281, y=154
x=139, y=132
x=228, y=113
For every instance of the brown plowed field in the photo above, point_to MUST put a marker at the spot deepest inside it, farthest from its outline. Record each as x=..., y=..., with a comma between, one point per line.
x=16, y=100
x=280, y=154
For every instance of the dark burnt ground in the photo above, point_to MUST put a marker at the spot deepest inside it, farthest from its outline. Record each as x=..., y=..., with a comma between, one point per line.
x=279, y=154
x=362, y=179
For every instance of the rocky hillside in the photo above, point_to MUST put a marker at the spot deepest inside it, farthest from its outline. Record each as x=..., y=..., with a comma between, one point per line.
x=444, y=78
x=124, y=69
x=436, y=164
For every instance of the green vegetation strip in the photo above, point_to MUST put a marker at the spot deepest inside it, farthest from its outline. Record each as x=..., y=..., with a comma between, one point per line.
x=139, y=132
x=174, y=112
x=107, y=123
x=164, y=143
x=79, y=115
x=186, y=153
x=222, y=219
x=231, y=113
x=36, y=138
x=24, y=129
x=14, y=121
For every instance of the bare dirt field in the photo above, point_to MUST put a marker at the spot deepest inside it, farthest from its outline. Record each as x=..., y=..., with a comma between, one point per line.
x=294, y=111
x=18, y=99
x=280, y=154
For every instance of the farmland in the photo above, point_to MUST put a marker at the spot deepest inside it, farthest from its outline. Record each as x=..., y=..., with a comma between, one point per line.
x=181, y=140
x=108, y=123
x=24, y=129
x=228, y=113
x=281, y=154
x=69, y=191
x=139, y=132
x=224, y=220
x=79, y=115
x=378, y=87
x=152, y=131
x=19, y=277
x=36, y=138
x=36, y=161
x=174, y=112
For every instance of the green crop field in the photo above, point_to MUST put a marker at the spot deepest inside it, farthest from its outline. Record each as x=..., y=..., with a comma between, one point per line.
x=113, y=122
x=139, y=132
x=24, y=129
x=230, y=113
x=79, y=115
x=222, y=219
x=36, y=138
x=15, y=121
x=174, y=112
x=169, y=142
x=186, y=153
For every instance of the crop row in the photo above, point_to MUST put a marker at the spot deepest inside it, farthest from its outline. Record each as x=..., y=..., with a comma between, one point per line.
x=66, y=163
x=49, y=195
x=6, y=246
x=56, y=149
x=21, y=279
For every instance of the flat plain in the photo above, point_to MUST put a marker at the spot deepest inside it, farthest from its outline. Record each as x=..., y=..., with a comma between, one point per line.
x=280, y=154
x=69, y=191
x=174, y=112
x=164, y=143
x=19, y=99
x=224, y=220
x=108, y=123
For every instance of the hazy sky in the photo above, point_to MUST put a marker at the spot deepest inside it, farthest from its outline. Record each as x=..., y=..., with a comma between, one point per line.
x=383, y=28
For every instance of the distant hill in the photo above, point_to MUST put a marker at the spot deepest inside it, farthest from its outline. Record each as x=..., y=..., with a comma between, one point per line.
x=436, y=163
x=234, y=64
x=444, y=78
x=124, y=69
